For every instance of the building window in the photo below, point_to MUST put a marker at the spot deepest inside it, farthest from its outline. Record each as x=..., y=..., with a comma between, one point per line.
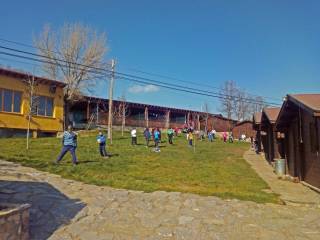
x=17, y=102
x=42, y=106
x=10, y=101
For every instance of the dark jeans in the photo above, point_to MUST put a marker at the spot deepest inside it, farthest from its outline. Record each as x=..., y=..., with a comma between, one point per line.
x=66, y=149
x=170, y=138
x=102, y=149
x=134, y=140
x=190, y=142
x=156, y=143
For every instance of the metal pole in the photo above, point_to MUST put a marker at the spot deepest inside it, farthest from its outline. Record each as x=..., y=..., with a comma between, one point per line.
x=111, y=101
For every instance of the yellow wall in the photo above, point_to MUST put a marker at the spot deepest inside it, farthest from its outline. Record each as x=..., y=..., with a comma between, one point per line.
x=40, y=123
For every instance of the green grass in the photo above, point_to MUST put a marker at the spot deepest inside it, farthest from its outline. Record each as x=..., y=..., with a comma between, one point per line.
x=213, y=169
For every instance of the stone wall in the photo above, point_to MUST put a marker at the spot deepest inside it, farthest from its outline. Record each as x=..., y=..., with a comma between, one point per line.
x=14, y=221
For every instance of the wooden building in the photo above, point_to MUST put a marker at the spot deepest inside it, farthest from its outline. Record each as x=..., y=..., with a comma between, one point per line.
x=269, y=139
x=256, y=125
x=94, y=111
x=244, y=127
x=220, y=123
x=299, y=122
x=47, y=110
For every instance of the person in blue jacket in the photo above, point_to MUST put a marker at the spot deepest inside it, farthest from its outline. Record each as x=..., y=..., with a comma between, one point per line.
x=101, y=139
x=69, y=143
x=147, y=135
x=156, y=138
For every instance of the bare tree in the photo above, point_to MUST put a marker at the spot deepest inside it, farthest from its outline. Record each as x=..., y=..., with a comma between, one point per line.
x=227, y=101
x=31, y=90
x=242, y=105
x=237, y=103
x=71, y=54
x=258, y=103
x=122, y=112
x=205, y=115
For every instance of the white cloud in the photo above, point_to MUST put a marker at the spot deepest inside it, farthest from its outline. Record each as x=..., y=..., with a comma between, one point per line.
x=143, y=89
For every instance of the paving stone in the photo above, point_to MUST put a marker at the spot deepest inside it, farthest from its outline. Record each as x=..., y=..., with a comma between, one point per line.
x=67, y=209
x=185, y=220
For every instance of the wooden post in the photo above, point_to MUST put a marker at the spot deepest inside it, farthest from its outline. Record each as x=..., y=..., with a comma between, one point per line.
x=167, y=119
x=198, y=121
x=146, y=116
x=111, y=102
x=188, y=119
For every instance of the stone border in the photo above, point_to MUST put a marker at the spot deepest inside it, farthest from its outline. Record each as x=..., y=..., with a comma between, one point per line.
x=14, y=221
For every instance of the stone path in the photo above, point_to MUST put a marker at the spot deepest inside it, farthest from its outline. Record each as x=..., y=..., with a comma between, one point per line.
x=291, y=193
x=64, y=209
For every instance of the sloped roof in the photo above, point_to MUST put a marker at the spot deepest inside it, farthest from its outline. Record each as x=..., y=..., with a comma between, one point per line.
x=257, y=117
x=311, y=101
x=98, y=99
x=243, y=122
x=308, y=102
x=272, y=113
x=24, y=75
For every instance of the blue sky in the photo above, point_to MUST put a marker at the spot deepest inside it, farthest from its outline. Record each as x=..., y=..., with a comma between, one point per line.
x=268, y=48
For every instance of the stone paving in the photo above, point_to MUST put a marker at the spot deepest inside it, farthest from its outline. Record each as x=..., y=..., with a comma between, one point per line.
x=291, y=193
x=64, y=209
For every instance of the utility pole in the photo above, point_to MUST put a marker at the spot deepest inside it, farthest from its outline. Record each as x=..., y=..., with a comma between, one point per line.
x=111, y=101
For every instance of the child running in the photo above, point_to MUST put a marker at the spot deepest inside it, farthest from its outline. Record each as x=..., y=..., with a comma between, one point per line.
x=69, y=142
x=101, y=139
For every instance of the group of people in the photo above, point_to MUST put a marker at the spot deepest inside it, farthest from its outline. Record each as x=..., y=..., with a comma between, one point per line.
x=227, y=137
x=153, y=134
x=69, y=140
x=69, y=144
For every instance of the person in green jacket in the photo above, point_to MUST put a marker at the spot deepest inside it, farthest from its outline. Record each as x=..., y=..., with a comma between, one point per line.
x=170, y=133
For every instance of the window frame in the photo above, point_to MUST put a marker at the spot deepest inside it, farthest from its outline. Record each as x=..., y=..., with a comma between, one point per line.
x=14, y=92
x=45, y=107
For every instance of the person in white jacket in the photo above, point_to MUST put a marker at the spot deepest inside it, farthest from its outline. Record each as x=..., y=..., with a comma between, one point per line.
x=134, y=136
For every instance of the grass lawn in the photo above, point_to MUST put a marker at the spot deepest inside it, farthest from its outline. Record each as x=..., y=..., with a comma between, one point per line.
x=213, y=169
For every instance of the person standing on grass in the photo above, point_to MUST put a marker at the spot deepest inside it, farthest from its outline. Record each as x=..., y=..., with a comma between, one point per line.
x=176, y=131
x=225, y=136
x=69, y=142
x=156, y=137
x=214, y=132
x=134, y=136
x=230, y=137
x=147, y=135
x=101, y=139
x=190, y=137
x=210, y=138
x=170, y=135
x=159, y=130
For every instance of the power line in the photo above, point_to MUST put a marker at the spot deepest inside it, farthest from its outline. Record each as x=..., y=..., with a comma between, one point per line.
x=123, y=75
x=146, y=81
x=33, y=47
x=136, y=70
x=190, y=82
